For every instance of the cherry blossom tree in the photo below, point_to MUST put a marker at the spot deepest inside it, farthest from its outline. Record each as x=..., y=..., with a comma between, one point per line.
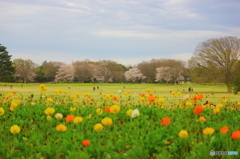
x=83, y=70
x=168, y=74
x=134, y=75
x=24, y=69
x=65, y=74
x=101, y=72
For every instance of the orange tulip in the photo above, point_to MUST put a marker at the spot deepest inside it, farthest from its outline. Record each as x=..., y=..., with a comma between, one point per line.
x=107, y=109
x=86, y=143
x=236, y=135
x=115, y=98
x=224, y=129
x=165, y=121
x=69, y=118
x=198, y=110
x=151, y=99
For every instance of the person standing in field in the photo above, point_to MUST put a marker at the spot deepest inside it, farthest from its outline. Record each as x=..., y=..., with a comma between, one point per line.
x=11, y=86
x=69, y=87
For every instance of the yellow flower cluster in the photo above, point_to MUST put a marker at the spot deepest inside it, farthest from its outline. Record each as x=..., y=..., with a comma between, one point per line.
x=105, y=121
x=58, y=91
x=86, y=94
x=72, y=96
x=107, y=96
x=126, y=93
x=14, y=104
x=8, y=95
x=50, y=99
x=160, y=101
x=141, y=98
x=148, y=90
x=42, y=88
x=77, y=95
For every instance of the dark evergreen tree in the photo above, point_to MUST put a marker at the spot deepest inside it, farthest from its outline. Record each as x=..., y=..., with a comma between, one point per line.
x=40, y=75
x=6, y=68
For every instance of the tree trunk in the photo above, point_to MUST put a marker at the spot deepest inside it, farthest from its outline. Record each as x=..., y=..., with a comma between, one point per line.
x=229, y=87
x=25, y=80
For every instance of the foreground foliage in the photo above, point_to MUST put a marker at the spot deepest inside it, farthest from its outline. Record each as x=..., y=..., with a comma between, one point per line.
x=64, y=125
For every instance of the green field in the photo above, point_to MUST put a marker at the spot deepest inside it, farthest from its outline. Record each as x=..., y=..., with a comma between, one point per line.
x=147, y=134
x=214, y=90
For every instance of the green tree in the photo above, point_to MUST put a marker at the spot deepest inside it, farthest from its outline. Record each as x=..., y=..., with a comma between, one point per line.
x=218, y=60
x=236, y=84
x=40, y=74
x=6, y=67
x=50, y=70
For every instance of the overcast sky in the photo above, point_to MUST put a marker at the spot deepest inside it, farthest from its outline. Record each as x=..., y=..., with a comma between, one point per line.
x=125, y=31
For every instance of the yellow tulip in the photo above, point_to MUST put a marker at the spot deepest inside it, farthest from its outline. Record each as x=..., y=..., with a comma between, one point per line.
x=99, y=111
x=49, y=117
x=61, y=127
x=73, y=109
x=106, y=121
x=114, y=109
x=202, y=119
x=216, y=110
x=98, y=127
x=1, y=111
x=15, y=129
x=183, y=134
x=77, y=119
x=208, y=131
x=49, y=111
x=129, y=112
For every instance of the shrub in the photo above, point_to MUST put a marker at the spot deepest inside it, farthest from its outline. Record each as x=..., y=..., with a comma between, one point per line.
x=236, y=84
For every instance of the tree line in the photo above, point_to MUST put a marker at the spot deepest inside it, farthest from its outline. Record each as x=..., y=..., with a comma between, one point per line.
x=214, y=60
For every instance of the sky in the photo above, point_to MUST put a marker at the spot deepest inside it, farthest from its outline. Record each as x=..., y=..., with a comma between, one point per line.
x=125, y=31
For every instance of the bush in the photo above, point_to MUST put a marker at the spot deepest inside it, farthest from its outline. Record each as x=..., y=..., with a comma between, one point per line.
x=236, y=84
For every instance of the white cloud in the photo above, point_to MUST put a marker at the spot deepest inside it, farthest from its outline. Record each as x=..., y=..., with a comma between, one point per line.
x=159, y=34
x=127, y=29
x=123, y=33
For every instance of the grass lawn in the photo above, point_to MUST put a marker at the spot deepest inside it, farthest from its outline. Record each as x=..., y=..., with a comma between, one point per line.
x=212, y=90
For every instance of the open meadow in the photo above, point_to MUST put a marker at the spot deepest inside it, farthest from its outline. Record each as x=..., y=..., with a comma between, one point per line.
x=118, y=121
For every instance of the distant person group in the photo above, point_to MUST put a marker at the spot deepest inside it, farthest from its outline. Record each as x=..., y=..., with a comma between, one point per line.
x=94, y=88
x=10, y=86
x=190, y=89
